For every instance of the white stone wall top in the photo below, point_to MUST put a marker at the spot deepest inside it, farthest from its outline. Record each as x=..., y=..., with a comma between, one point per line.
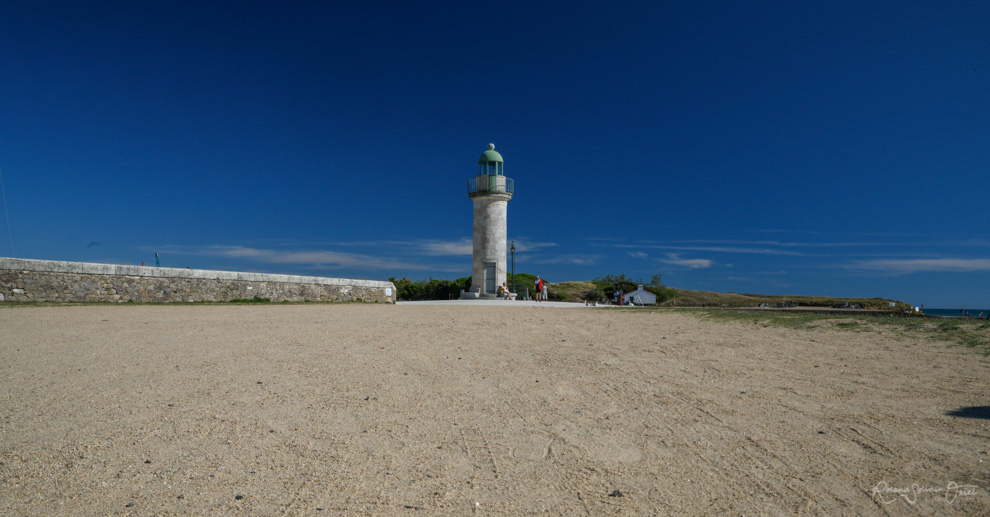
x=90, y=268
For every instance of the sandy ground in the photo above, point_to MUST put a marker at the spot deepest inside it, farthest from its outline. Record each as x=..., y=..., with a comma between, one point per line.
x=460, y=410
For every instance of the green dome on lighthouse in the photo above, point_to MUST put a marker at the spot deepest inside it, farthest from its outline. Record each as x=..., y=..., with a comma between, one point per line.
x=491, y=155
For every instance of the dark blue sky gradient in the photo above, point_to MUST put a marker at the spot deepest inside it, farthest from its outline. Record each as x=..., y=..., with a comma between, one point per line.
x=838, y=148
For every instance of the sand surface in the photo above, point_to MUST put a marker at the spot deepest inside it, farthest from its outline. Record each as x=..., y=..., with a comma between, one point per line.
x=424, y=410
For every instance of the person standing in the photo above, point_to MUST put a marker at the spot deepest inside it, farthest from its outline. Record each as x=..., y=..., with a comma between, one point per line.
x=544, y=287
x=539, y=287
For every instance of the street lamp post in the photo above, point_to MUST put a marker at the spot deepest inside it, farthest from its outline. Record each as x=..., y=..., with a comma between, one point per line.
x=513, y=251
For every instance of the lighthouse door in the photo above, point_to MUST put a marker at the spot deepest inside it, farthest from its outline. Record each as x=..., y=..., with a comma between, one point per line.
x=490, y=277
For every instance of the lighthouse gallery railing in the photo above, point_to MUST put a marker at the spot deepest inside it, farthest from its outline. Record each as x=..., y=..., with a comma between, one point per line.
x=491, y=185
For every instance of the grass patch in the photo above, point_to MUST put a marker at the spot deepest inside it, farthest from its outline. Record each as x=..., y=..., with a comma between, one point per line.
x=972, y=333
x=792, y=320
x=569, y=291
x=849, y=325
x=131, y=303
x=689, y=298
x=256, y=299
x=14, y=305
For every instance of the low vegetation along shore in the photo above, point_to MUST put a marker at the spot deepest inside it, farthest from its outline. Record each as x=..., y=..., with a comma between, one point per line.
x=575, y=292
x=602, y=287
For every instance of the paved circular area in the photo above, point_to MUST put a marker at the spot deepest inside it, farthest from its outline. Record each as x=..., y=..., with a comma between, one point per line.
x=503, y=303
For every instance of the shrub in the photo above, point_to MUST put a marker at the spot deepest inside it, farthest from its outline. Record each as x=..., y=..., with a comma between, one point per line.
x=430, y=289
x=256, y=299
x=594, y=295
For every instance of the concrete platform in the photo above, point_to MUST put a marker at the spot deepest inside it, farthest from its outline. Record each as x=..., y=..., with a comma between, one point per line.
x=499, y=302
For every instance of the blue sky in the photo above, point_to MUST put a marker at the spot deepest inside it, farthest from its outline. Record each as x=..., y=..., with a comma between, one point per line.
x=838, y=148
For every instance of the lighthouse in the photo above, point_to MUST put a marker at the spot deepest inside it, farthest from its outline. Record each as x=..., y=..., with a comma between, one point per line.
x=490, y=191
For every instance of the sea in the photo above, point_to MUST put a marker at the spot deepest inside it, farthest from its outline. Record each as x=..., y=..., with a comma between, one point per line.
x=955, y=312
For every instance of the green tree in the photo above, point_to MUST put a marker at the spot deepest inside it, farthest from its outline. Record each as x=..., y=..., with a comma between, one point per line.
x=610, y=283
x=523, y=281
x=656, y=280
x=662, y=292
x=594, y=295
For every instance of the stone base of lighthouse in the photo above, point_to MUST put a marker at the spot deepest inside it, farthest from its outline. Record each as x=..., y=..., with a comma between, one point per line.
x=488, y=264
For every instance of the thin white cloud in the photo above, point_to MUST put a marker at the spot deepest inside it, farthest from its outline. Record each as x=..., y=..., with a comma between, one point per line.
x=775, y=230
x=638, y=254
x=716, y=249
x=903, y=267
x=786, y=244
x=322, y=259
x=426, y=247
x=388, y=255
x=982, y=243
x=464, y=246
x=812, y=232
x=578, y=260
x=524, y=245
x=223, y=251
x=675, y=259
x=607, y=239
x=445, y=248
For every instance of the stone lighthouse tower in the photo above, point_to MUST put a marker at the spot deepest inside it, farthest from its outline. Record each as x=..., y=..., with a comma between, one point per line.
x=491, y=191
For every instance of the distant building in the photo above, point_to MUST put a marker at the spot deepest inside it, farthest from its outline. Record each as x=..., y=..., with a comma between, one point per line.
x=641, y=297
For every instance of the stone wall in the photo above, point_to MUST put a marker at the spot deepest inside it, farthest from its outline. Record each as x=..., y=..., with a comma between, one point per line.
x=24, y=280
